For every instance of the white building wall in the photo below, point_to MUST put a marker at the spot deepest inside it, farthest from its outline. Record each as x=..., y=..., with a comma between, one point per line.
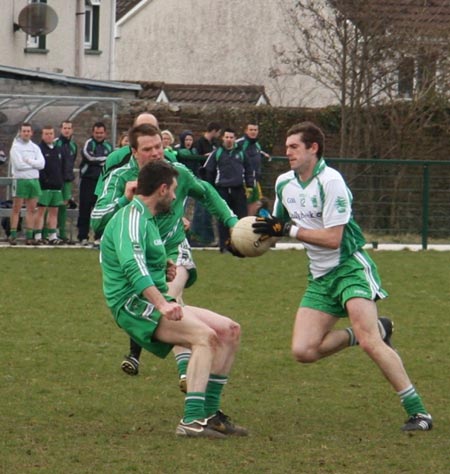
x=209, y=42
x=61, y=44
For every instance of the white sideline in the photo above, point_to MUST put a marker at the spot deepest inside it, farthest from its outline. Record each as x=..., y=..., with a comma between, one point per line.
x=412, y=247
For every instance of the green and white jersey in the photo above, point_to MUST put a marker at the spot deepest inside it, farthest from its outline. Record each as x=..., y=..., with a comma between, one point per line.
x=132, y=255
x=322, y=202
x=170, y=225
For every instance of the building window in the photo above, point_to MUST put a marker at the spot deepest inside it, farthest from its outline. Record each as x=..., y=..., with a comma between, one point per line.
x=91, y=25
x=36, y=43
x=406, y=78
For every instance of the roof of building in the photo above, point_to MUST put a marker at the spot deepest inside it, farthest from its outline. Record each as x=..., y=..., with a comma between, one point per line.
x=124, y=6
x=429, y=17
x=203, y=94
x=92, y=84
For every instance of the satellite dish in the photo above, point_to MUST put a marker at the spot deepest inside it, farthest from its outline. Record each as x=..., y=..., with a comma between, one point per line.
x=37, y=19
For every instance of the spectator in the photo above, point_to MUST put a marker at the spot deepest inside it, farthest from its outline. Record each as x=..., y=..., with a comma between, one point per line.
x=26, y=161
x=228, y=169
x=123, y=140
x=51, y=181
x=94, y=154
x=167, y=141
x=68, y=150
x=186, y=152
x=202, y=233
x=250, y=146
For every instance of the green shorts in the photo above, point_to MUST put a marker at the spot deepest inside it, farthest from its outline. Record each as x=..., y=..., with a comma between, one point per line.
x=181, y=255
x=357, y=277
x=67, y=190
x=256, y=194
x=50, y=198
x=26, y=188
x=139, y=319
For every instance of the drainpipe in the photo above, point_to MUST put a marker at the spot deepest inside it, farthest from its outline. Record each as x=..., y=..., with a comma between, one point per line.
x=79, y=38
x=112, y=41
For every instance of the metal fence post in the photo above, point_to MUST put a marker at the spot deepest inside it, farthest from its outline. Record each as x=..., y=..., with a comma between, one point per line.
x=425, y=205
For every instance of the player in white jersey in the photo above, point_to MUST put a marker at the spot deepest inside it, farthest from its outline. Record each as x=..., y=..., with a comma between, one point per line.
x=313, y=205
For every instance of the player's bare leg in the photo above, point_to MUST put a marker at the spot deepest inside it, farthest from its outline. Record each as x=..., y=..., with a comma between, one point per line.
x=313, y=336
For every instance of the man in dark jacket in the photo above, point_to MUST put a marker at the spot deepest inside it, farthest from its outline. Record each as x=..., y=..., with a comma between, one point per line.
x=250, y=146
x=94, y=154
x=230, y=171
x=68, y=150
x=51, y=181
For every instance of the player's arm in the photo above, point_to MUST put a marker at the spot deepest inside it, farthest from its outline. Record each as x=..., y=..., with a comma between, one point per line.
x=336, y=213
x=20, y=162
x=329, y=237
x=207, y=194
x=116, y=194
x=38, y=161
x=88, y=153
x=132, y=243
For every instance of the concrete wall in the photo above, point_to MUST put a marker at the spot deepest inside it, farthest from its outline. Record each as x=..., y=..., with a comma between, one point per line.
x=210, y=42
x=60, y=43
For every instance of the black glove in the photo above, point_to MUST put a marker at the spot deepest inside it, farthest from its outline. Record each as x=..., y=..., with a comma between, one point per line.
x=229, y=246
x=271, y=226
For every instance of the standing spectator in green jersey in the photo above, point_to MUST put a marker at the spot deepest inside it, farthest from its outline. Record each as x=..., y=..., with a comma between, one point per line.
x=68, y=150
x=26, y=161
x=119, y=188
x=249, y=144
x=51, y=181
x=313, y=205
x=134, y=266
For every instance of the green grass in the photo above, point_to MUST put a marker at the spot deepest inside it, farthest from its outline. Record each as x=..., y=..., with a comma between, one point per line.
x=67, y=408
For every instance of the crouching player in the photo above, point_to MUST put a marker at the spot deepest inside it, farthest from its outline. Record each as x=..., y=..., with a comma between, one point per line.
x=135, y=271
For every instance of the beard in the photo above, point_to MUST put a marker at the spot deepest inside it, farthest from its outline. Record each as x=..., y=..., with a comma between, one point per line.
x=163, y=207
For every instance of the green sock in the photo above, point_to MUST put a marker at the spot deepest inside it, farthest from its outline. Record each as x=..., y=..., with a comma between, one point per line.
x=411, y=401
x=45, y=232
x=13, y=233
x=194, y=406
x=182, y=361
x=62, y=217
x=214, y=393
x=29, y=233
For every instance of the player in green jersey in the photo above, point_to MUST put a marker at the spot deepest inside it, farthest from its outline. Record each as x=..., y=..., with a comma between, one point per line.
x=313, y=205
x=135, y=268
x=119, y=190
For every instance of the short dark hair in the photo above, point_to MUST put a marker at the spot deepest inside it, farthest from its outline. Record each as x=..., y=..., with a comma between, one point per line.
x=25, y=124
x=213, y=126
x=98, y=125
x=48, y=127
x=229, y=130
x=153, y=174
x=309, y=134
x=65, y=121
x=144, y=129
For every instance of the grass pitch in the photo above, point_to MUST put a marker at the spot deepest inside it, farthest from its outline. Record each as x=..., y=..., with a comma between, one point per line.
x=66, y=407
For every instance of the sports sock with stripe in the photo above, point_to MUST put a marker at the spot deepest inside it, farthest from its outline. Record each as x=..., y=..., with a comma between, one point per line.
x=411, y=401
x=194, y=406
x=182, y=360
x=216, y=383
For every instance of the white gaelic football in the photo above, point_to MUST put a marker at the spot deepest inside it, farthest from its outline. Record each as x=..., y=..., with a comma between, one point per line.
x=245, y=241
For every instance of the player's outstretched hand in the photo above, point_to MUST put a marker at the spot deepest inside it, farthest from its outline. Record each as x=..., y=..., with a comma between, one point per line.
x=270, y=226
x=230, y=247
